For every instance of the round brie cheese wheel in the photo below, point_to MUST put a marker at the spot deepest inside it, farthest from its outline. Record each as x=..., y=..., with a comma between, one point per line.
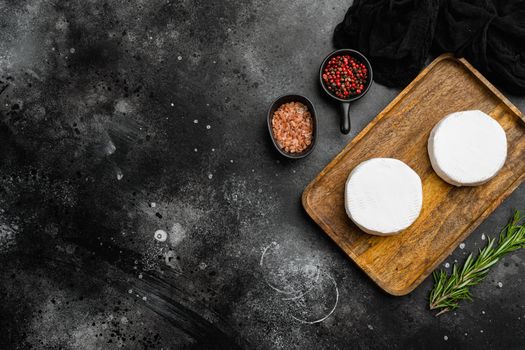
x=467, y=148
x=383, y=196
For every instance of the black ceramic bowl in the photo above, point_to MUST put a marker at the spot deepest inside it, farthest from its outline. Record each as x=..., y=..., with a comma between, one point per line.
x=293, y=98
x=345, y=102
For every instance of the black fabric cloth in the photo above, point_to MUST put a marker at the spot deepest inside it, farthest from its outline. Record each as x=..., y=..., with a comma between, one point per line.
x=394, y=35
x=399, y=35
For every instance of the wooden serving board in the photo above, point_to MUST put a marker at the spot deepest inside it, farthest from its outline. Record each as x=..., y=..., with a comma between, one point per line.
x=399, y=263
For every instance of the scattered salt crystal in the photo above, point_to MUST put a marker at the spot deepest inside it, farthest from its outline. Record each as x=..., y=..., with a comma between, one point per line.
x=370, y=327
x=466, y=334
x=483, y=312
x=140, y=276
x=72, y=50
x=144, y=298
x=481, y=331
x=161, y=235
x=130, y=291
x=179, y=58
x=119, y=175
x=462, y=246
x=210, y=176
x=172, y=104
x=445, y=337
x=195, y=121
x=195, y=149
x=447, y=265
x=208, y=127
x=213, y=149
x=500, y=284
x=153, y=204
x=202, y=265
x=231, y=160
x=483, y=237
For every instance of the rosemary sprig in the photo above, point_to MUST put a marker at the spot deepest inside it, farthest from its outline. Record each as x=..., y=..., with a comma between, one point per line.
x=448, y=290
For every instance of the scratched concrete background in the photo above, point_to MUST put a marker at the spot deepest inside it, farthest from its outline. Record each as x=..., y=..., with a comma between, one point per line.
x=120, y=118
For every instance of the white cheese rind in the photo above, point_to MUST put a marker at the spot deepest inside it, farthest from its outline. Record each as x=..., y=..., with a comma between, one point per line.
x=383, y=196
x=467, y=148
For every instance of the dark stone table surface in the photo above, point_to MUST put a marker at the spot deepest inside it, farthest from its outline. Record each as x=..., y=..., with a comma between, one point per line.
x=121, y=118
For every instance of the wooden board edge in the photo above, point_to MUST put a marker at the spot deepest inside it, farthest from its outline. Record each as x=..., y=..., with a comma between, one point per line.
x=342, y=153
x=492, y=88
x=466, y=233
x=329, y=232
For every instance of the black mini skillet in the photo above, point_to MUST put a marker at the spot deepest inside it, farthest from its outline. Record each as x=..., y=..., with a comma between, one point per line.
x=345, y=102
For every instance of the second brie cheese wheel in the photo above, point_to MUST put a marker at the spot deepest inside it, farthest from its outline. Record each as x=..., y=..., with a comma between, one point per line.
x=467, y=148
x=383, y=196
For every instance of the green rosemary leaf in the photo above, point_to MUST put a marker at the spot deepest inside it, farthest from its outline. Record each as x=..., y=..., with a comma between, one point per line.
x=451, y=289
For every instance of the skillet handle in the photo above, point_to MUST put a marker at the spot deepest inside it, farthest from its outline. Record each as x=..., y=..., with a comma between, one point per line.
x=345, y=117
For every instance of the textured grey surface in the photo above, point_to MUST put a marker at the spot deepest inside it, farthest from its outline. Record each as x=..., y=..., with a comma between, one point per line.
x=120, y=118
